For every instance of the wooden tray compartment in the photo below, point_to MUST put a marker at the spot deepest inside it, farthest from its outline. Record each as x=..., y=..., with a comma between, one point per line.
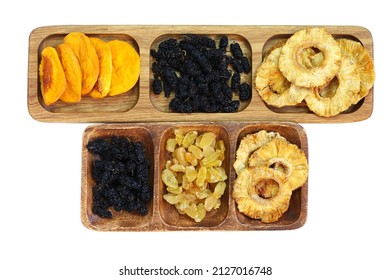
x=161, y=103
x=141, y=105
x=168, y=212
x=121, y=103
x=122, y=219
x=164, y=217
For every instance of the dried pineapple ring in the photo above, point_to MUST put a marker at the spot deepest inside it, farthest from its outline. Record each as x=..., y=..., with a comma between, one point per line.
x=364, y=63
x=273, y=87
x=281, y=155
x=341, y=98
x=247, y=188
x=249, y=144
x=317, y=76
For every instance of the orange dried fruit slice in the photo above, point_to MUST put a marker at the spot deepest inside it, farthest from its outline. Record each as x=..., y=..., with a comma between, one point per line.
x=285, y=157
x=51, y=76
x=247, y=191
x=273, y=87
x=88, y=59
x=317, y=38
x=364, y=63
x=339, y=95
x=72, y=69
x=103, y=83
x=126, y=67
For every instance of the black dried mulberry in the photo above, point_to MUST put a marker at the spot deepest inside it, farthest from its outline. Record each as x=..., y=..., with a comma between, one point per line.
x=235, y=82
x=236, y=50
x=198, y=73
x=157, y=86
x=246, y=67
x=121, y=174
x=223, y=42
x=245, y=92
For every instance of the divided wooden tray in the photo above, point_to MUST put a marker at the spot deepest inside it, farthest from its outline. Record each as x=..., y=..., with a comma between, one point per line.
x=141, y=105
x=163, y=216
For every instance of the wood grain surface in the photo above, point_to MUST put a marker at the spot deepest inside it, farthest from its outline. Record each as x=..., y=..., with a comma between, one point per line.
x=141, y=105
x=163, y=216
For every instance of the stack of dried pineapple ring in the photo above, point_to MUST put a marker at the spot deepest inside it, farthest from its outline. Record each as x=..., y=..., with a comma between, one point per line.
x=249, y=144
x=273, y=87
x=329, y=75
x=267, y=175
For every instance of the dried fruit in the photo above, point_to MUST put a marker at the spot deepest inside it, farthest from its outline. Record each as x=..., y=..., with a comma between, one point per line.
x=126, y=67
x=189, y=138
x=306, y=38
x=103, y=83
x=247, y=193
x=285, y=157
x=97, y=66
x=271, y=155
x=364, y=63
x=308, y=65
x=310, y=58
x=195, y=170
x=339, y=95
x=72, y=69
x=273, y=87
x=207, y=140
x=88, y=59
x=171, y=145
x=51, y=76
x=198, y=73
x=249, y=144
x=169, y=179
x=120, y=170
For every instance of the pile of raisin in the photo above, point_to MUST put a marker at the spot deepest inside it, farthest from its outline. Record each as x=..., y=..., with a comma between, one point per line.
x=121, y=173
x=204, y=77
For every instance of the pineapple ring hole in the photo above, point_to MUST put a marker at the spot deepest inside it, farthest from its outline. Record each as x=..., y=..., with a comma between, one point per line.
x=309, y=57
x=266, y=188
x=330, y=89
x=281, y=165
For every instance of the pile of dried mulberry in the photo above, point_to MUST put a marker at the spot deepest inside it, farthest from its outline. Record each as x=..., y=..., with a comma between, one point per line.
x=204, y=77
x=121, y=173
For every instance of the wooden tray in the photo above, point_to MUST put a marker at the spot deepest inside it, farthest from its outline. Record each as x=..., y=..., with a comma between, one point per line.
x=142, y=105
x=163, y=216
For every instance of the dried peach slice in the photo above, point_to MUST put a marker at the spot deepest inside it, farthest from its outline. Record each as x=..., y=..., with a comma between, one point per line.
x=72, y=69
x=126, y=67
x=51, y=76
x=88, y=59
x=103, y=83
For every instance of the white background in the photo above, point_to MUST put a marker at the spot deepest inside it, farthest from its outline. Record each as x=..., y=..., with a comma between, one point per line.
x=346, y=235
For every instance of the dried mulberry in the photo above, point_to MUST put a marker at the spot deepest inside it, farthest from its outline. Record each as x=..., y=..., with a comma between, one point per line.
x=121, y=175
x=157, y=86
x=236, y=50
x=245, y=92
x=199, y=74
